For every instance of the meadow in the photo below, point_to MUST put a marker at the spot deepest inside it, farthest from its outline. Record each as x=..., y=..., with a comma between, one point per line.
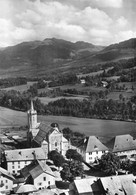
x=46, y=100
x=21, y=88
x=101, y=128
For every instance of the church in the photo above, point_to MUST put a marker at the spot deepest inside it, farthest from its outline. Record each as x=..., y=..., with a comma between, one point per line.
x=48, y=137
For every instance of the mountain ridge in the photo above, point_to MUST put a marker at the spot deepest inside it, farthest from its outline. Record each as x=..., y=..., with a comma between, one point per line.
x=36, y=58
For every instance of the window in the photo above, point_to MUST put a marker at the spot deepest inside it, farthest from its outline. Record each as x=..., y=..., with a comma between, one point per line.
x=90, y=153
x=13, y=172
x=49, y=182
x=96, y=152
x=19, y=162
x=56, y=144
x=13, y=167
x=39, y=183
x=6, y=187
x=12, y=163
x=6, y=181
x=44, y=178
x=19, y=166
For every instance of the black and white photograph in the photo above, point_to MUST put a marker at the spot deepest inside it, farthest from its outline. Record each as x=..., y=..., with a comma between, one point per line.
x=67, y=97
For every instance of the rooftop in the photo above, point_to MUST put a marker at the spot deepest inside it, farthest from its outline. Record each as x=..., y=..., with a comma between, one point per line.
x=35, y=169
x=25, y=154
x=87, y=185
x=5, y=173
x=122, y=143
x=92, y=144
x=121, y=185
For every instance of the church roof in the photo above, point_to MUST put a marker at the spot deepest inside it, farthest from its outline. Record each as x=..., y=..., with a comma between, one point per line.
x=45, y=130
x=25, y=154
x=42, y=134
x=122, y=143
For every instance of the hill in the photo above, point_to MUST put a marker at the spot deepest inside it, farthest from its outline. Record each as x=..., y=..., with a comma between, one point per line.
x=37, y=58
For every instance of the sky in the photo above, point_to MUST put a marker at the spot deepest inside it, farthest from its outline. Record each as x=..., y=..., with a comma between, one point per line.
x=100, y=22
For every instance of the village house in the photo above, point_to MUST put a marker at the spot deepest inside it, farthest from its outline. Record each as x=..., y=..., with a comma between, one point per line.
x=6, y=181
x=112, y=185
x=123, y=145
x=48, y=137
x=92, y=149
x=39, y=174
x=84, y=187
x=15, y=160
x=120, y=185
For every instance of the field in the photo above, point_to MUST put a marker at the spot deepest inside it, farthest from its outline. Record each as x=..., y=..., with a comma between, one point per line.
x=46, y=100
x=102, y=128
x=20, y=88
x=93, y=73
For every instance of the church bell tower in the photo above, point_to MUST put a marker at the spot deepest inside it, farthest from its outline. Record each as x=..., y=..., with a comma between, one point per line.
x=32, y=117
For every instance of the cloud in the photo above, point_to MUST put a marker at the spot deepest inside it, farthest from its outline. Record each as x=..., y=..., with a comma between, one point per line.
x=38, y=19
x=124, y=35
x=108, y=3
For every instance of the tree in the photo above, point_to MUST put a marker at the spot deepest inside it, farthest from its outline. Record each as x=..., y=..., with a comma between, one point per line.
x=71, y=169
x=109, y=163
x=56, y=157
x=52, y=155
x=59, y=160
x=73, y=154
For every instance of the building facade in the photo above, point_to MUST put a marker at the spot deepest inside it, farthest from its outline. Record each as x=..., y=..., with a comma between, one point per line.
x=18, y=159
x=6, y=181
x=48, y=137
x=92, y=149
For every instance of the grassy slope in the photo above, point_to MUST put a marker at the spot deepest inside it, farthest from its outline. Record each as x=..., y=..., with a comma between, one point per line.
x=102, y=128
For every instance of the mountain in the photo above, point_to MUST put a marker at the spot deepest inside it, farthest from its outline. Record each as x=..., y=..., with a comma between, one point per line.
x=39, y=57
x=52, y=56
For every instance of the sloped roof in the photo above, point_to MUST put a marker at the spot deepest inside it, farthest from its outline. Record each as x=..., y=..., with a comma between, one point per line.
x=43, y=192
x=35, y=169
x=41, y=135
x=25, y=154
x=122, y=143
x=121, y=185
x=26, y=188
x=93, y=144
x=44, y=131
x=42, y=167
x=5, y=173
x=25, y=171
x=86, y=185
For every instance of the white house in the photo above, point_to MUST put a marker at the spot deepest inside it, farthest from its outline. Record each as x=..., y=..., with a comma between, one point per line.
x=6, y=181
x=18, y=159
x=39, y=174
x=92, y=149
x=123, y=145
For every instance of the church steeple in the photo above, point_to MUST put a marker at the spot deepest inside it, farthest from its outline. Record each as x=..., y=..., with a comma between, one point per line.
x=32, y=117
x=32, y=106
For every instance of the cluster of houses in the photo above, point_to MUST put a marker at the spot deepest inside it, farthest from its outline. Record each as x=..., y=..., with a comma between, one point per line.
x=29, y=170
